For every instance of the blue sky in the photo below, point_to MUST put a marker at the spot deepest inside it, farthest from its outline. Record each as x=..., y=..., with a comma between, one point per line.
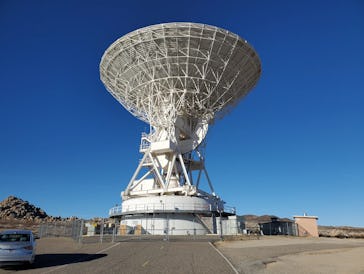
x=295, y=144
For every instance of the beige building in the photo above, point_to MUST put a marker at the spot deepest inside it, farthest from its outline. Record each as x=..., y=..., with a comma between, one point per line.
x=306, y=225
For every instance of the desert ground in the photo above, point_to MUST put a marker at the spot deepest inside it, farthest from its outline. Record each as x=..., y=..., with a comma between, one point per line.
x=277, y=254
x=268, y=254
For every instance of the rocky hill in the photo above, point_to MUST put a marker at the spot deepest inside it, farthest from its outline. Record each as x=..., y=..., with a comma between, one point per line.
x=16, y=213
x=16, y=208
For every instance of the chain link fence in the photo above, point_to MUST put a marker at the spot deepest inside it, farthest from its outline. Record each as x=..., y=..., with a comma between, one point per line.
x=83, y=231
x=112, y=230
x=74, y=229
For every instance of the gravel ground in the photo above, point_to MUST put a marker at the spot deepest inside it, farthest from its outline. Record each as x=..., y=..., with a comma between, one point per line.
x=295, y=255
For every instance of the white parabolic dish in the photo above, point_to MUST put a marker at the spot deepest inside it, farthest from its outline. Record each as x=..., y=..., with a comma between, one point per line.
x=189, y=70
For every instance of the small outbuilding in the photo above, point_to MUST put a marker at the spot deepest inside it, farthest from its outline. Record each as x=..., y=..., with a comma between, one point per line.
x=306, y=225
x=278, y=226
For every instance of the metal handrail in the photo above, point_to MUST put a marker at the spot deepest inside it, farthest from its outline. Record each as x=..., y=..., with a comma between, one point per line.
x=230, y=209
x=167, y=207
x=160, y=207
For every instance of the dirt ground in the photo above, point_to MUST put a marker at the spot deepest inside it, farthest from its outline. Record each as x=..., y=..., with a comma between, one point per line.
x=295, y=255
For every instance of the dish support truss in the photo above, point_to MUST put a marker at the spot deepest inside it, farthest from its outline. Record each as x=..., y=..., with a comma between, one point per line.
x=165, y=170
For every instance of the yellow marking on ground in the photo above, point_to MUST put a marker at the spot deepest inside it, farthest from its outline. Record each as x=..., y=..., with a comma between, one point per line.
x=146, y=262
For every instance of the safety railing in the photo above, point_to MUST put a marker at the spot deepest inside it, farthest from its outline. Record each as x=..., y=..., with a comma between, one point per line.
x=166, y=207
x=160, y=207
x=230, y=209
x=144, y=142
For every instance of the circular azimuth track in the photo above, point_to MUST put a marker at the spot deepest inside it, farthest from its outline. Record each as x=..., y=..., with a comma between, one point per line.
x=166, y=71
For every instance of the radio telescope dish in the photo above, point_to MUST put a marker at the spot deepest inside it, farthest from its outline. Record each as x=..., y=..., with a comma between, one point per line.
x=186, y=71
x=178, y=78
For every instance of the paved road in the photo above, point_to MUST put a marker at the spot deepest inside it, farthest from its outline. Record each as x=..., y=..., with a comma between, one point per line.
x=129, y=257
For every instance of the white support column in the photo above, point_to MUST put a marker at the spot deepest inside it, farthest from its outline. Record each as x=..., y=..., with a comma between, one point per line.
x=136, y=172
x=184, y=169
x=209, y=181
x=198, y=178
x=141, y=179
x=204, y=169
x=156, y=172
x=170, y=168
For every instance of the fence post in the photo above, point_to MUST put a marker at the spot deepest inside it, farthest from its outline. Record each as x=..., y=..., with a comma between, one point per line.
x=46, y=230
x=101, y=230
x=73, y=230
x=220, y=226
x=40, y=231
x=81, y=233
